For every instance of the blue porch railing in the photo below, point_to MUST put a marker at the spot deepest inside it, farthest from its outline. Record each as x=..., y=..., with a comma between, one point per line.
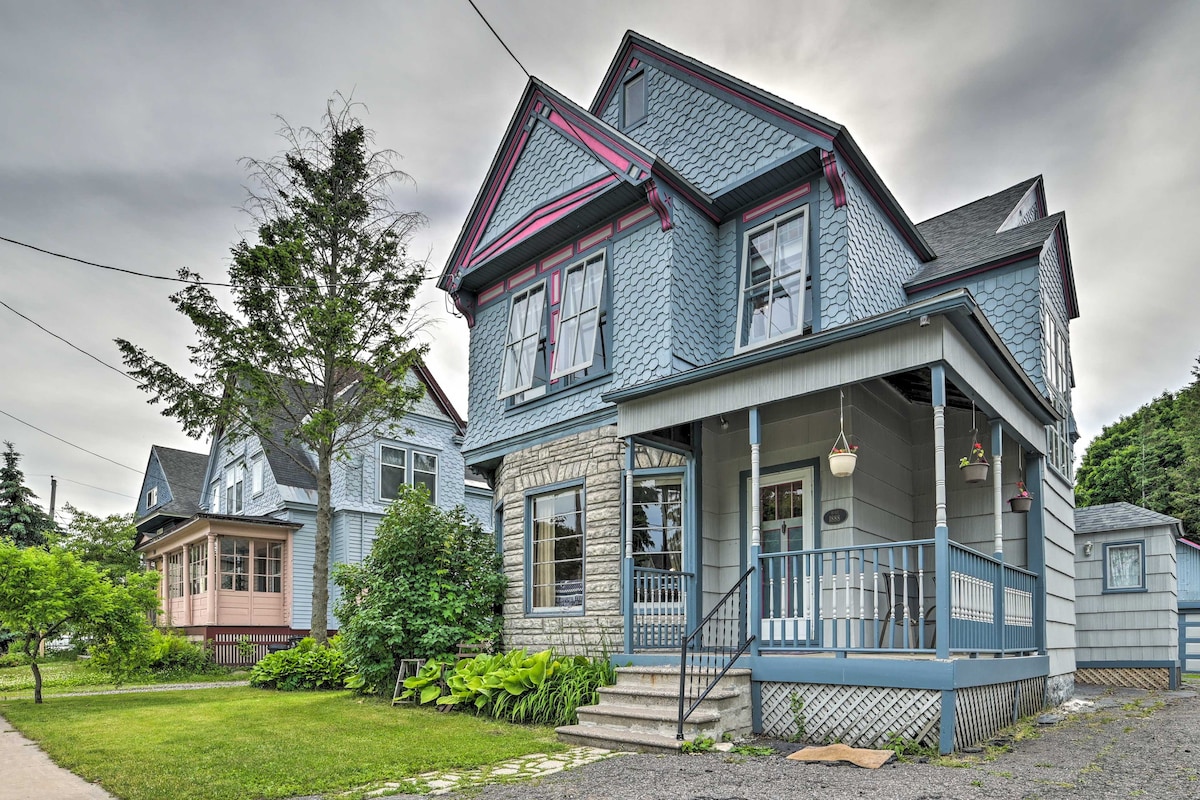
x=882, y=597
x=660, y=602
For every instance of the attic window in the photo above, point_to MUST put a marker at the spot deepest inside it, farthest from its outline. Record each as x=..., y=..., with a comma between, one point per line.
x=633, y=100
x=152, y=498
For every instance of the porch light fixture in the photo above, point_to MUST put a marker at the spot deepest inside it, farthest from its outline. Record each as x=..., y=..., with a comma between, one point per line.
x=724, y=422
x=1088, y=547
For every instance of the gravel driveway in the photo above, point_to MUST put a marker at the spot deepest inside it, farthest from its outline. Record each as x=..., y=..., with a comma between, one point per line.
x=1130, y=743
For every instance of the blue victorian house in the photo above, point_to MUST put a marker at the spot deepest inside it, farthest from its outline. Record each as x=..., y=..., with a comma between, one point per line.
x=722, y=383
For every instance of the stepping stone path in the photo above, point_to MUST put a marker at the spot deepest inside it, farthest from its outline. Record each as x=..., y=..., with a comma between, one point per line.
x=534, y=765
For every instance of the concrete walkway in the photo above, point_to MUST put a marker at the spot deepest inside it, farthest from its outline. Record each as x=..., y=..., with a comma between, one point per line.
x=26, y=773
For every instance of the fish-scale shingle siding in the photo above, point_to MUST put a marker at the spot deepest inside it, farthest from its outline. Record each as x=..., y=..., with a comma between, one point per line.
x=833, y=304
x=549, y=166
x=700, y=289
x=710, y=141
x=1009, y=299
x=490, y=421
x=880, y=261
x=641, y=306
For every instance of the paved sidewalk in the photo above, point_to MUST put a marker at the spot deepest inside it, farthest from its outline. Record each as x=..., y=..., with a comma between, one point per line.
x=26, y=773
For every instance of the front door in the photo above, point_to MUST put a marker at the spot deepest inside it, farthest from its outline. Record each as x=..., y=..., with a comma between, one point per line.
x=788, y=588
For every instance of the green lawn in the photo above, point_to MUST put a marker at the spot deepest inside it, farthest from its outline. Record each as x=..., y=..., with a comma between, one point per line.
x=74, y=676
x=243, y=743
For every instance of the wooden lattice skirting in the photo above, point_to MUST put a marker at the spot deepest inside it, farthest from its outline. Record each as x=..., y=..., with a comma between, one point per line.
x=980, y=711
x=861, y=716
x=1133, y=677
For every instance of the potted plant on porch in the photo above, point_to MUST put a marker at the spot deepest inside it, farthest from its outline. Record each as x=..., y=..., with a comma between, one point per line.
x=1022, y=500
x=843, y=455
x=975, y=466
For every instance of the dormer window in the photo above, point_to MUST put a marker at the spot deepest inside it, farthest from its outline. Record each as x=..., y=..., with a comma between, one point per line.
x=773, y=290
x=633, y=100
x=152, y=498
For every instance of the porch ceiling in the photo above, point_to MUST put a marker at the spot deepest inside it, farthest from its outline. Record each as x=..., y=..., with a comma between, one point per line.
x=917, y=387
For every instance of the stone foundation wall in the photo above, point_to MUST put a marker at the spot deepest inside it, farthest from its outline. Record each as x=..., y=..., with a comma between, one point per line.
x=595, y=457
x=1059, y=689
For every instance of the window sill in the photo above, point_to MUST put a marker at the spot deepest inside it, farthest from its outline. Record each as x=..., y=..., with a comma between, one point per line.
x=532, y=614
x=552, y=396
x=1106, y=590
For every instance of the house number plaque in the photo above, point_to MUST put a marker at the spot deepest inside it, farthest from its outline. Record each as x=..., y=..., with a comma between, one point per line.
x=835, y=516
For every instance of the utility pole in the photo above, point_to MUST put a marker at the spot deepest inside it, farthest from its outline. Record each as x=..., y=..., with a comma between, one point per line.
x=53, y=492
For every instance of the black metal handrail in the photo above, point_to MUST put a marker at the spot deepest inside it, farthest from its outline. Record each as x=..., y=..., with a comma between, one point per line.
x=712, y=648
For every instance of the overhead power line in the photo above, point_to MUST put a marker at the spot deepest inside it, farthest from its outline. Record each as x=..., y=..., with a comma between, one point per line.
x=69, y=444
x=70, y=344
x=56, y=476
x=498, y=39
x=190, y=281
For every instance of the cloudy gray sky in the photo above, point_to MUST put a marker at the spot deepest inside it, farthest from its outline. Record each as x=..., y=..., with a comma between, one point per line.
x=123, y=123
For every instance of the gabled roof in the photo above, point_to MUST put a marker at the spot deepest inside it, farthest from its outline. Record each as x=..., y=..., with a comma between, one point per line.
x=1119, y=516
x=969, y=239
x=184, y=474
x=825, y=133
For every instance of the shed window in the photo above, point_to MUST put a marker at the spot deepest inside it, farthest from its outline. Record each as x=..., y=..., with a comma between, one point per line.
x=1124, y=567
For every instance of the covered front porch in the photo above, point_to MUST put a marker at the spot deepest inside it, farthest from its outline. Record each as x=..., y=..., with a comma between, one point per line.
x=742, y=546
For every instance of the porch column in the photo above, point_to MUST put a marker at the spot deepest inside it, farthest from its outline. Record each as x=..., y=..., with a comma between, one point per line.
x=941, y=532
x=627, y=567
x=212, y=579
x=998, y=517
x=998, y=487
x=754, y=599
x=185, y=569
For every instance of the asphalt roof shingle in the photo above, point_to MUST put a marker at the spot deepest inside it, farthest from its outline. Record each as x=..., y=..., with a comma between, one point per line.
x=967, y=236
x=184, y=471
x=1118, y=516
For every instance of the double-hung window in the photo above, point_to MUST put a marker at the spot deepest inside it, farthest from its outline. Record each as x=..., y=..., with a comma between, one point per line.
x=395, y=470
x=152, y=498
x=198, y=568
x=775, y=293
x=1056, y=363
x=525, y=320
x=256, y=475
x=235, y=482
x=556, y=555
x=579, y=316
x=633, y=99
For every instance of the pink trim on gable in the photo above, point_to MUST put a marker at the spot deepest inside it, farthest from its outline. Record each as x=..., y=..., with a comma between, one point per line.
x=633, y=64
x=537, y=107
x=571, y=130
x=554, y=260
x=1189, y=543
x=957, y=276
x=634, y=217
x=541, y=218
x=488, y=295
x=510, y=161
x=786, y=117
x=522, y=276
x=771, y=205
x=596, y=238
x=553, y=331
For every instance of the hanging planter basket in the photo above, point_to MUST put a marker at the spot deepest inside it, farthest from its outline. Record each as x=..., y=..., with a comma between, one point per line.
x=1021, y=505
x=843, y=456
x=975, y=471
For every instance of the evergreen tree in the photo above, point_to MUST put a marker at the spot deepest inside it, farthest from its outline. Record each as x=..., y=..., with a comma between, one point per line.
x=22, y=521
x=318, y=344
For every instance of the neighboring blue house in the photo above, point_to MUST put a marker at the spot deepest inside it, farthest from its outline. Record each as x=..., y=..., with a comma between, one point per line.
x=233, y=532
x=673, y=294
x=1128, y=598
x=1188, y=570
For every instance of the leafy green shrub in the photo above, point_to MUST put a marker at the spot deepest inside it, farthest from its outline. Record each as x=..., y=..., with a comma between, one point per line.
x=514, y=686
x=433, y=579
x=14, y=659
x=305, y=666
x=173, y=654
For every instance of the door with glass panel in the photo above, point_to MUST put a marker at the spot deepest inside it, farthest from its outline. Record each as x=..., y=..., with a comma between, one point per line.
x=789, y=606
x=660, y=585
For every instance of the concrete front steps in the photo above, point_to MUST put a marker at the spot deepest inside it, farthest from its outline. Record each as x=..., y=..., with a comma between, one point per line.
x=641, y=711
